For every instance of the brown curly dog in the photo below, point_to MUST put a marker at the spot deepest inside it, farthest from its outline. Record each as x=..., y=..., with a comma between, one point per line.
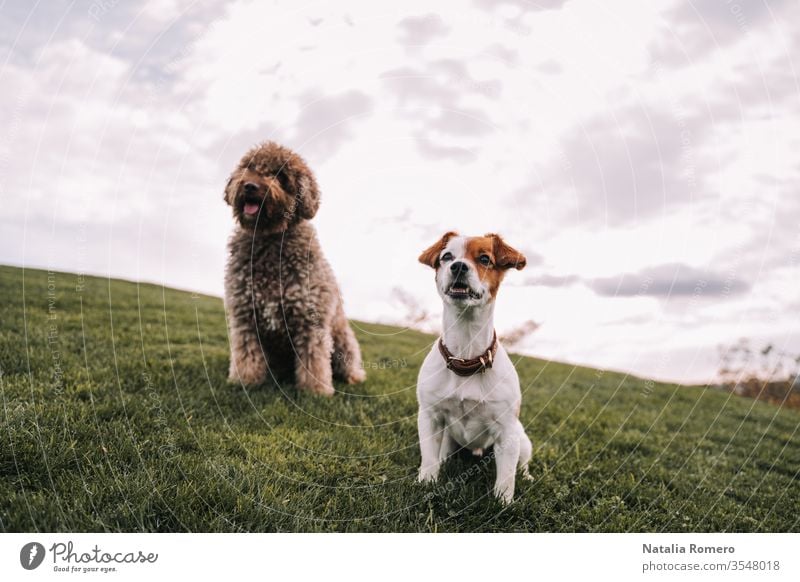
x=283, y=305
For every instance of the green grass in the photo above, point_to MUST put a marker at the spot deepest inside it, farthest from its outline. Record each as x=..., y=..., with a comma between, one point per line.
x=116, y=416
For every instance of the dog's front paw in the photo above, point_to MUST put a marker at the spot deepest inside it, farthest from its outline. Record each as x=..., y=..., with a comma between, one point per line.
x=504, y=494
x=356, y=376
x=428, y=474
x=247, y=373
x=325, y=391
x=318, y=388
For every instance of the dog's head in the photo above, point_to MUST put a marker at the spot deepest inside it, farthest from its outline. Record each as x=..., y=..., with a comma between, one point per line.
x=469, y=270
x=271, y=189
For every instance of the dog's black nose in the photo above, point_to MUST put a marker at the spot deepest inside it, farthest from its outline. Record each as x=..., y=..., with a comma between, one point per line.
x=250, y=188
x=459, y=267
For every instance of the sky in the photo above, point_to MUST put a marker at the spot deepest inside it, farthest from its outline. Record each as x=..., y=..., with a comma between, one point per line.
x=643, y=155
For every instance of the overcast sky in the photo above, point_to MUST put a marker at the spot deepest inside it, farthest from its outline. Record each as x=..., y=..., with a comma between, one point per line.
x=645, y=158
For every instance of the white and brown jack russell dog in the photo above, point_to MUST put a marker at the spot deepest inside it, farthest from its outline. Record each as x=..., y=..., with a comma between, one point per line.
x=468, y=389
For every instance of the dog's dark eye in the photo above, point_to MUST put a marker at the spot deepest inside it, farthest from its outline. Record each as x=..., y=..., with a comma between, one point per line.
x=447, y=257
x=485, y=260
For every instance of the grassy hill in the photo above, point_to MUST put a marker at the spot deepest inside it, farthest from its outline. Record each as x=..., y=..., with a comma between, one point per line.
x=116, y=415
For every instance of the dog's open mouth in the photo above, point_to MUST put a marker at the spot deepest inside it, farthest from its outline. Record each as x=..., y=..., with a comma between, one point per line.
x=251, y=206
x=460, y=290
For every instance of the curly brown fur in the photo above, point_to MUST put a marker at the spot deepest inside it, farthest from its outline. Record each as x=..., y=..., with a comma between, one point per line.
x=282, y=301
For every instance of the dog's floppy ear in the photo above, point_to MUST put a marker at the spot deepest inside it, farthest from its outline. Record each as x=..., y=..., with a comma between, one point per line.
x=308, y=196
x=229, y=194
x=505, y=256
x=430, y=256
x=300, y=181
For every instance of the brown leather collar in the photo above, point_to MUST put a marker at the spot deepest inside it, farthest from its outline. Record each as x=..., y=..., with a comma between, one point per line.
x=472, y=366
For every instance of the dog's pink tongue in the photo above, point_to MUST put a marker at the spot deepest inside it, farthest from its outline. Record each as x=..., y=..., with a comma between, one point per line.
x=251, y=208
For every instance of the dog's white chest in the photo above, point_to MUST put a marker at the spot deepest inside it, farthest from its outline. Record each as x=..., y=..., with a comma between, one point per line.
x=472, y=423
x=474, y=409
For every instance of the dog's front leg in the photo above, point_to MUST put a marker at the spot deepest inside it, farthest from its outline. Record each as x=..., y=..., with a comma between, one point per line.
x=313, y=365
x=430, y=444
x=448, y=446
x=506, y=453
x=248, y=360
